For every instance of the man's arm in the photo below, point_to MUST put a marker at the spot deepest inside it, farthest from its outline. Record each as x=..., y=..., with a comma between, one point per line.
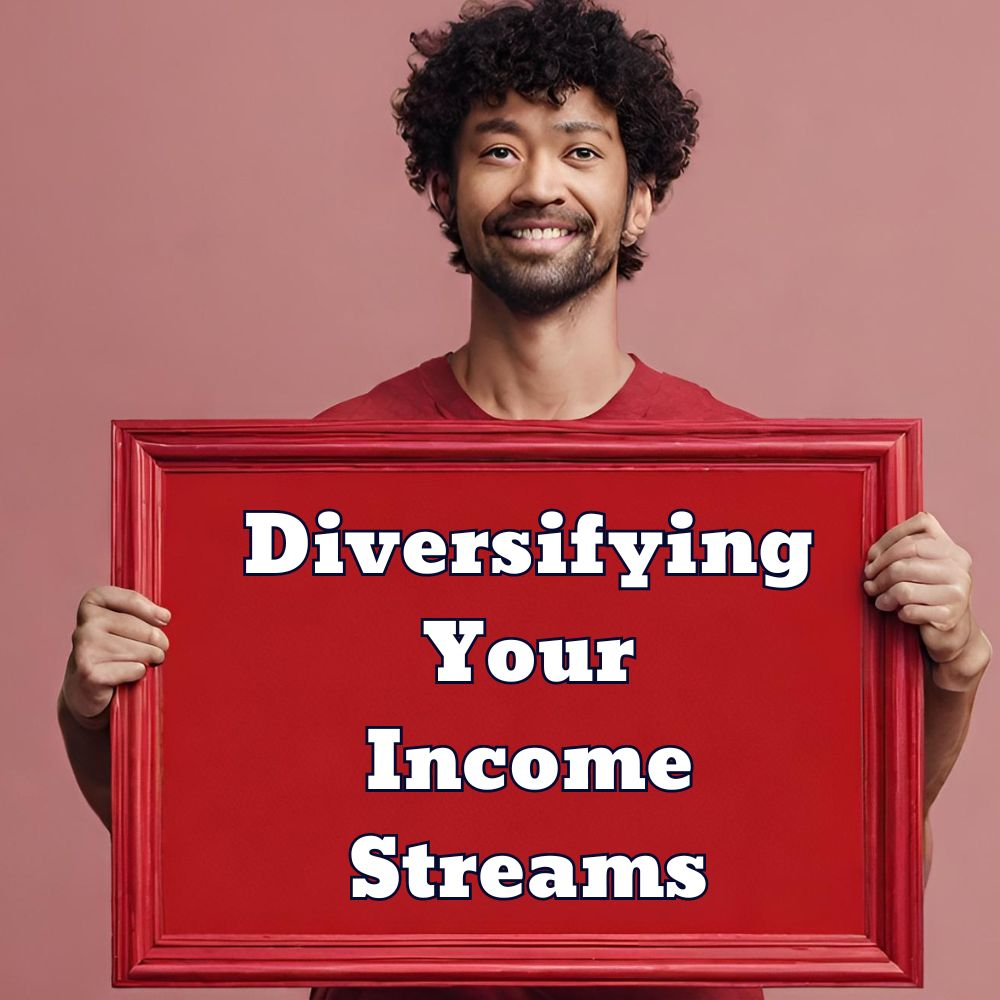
x=948, y=710
x=88, y=747
x=947, y=714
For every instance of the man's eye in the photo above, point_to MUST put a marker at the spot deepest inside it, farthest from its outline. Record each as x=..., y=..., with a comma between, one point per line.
x=496, y=149
x=584, y=149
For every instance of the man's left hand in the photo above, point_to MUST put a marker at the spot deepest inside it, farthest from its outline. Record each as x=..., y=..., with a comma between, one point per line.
x=916, y=570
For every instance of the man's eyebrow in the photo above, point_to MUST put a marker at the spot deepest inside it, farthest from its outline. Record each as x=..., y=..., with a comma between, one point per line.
x=513, y=128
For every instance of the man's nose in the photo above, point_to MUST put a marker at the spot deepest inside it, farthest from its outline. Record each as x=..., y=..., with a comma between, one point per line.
x=539, y=182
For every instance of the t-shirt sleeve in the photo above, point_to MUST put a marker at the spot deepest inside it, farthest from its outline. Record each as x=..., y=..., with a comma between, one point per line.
x=715, y=409
x=355, y=408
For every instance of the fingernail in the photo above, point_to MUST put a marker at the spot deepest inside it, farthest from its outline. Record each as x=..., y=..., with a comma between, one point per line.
x=164, y=615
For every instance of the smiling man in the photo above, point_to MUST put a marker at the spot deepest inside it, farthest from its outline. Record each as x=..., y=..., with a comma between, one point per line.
x=546, y=135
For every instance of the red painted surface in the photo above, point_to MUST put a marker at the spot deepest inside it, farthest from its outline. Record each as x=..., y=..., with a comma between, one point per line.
x=240, y=766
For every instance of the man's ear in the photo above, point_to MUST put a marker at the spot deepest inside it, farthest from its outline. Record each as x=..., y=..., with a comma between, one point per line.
x=439, y=190
x=640, y=209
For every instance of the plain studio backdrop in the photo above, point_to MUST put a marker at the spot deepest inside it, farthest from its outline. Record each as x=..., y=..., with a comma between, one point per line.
x=204, y=214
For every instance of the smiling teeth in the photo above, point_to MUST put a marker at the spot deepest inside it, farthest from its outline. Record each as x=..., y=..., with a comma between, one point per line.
x=539, y=234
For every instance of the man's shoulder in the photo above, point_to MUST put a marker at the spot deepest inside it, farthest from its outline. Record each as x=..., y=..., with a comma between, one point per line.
x=404, y=396
x=676, y=398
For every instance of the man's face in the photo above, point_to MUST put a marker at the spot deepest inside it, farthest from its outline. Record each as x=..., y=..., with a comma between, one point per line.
x=528, y=166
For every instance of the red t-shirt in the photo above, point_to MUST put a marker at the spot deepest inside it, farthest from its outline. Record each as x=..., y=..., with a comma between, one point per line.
x=431, y=392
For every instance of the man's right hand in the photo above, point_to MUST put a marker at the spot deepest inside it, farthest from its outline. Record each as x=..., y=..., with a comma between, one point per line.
x=118, y=635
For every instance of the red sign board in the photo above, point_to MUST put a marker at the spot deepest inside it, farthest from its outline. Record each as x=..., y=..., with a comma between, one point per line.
x=521, y=703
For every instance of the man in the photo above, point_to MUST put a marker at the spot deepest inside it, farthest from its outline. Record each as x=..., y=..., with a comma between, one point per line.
x=546, y=170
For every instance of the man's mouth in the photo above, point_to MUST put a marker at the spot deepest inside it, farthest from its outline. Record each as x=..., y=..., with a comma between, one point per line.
x=551, y=238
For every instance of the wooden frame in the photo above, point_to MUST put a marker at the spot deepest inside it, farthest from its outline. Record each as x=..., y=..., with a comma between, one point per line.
x=880, y=458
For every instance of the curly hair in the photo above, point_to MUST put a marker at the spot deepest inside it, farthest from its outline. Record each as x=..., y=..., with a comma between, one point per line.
x=542, y=49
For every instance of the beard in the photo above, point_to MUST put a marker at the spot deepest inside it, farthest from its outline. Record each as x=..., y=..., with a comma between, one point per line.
x=533, y=283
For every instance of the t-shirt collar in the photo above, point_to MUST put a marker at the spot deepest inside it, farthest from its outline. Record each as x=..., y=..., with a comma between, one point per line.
x=631, y=401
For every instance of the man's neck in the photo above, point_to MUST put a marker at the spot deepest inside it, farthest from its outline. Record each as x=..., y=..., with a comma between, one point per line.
x=560, y=366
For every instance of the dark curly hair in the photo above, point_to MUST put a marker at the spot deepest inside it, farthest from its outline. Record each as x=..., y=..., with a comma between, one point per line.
x=541, y=49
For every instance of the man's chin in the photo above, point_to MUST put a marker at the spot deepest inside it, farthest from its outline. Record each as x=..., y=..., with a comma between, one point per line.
x=538, y=301
x=534, y=297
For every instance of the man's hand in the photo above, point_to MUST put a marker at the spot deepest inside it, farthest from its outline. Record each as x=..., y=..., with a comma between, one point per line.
x=117, y=636
x=916, y=570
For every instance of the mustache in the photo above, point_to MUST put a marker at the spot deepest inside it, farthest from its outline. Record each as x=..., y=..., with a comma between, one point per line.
x=510, y=223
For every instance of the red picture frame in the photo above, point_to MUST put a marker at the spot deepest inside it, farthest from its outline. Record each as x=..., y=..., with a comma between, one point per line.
x=239, y=768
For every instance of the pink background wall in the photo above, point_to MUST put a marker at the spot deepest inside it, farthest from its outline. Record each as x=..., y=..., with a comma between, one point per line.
x=204, y=214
